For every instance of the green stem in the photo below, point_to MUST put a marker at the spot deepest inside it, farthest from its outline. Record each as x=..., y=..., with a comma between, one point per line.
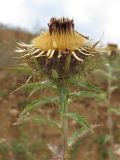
x=67, y=64
x=63, y=103
x=110, y=120
x=63, y=97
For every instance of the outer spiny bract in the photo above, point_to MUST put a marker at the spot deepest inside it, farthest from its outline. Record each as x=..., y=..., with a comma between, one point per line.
x=62, y=50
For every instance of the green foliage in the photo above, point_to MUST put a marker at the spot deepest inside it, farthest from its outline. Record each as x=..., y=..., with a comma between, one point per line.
x=22, y=70
x=46, y=121
x=38, y=103
x=64, y=96
x=84, y=85
x=82, y=94
x=22, y=148
x=89, y=91
x=74, y=149
x=108, y=69
x=2, y=93
x=78, y=118
x=21, y=151
x=36, y=86
x=115, y=110
x=77, y=135
x=109, y=72
x=102, y=142
x=105, y=151
x=4, y=148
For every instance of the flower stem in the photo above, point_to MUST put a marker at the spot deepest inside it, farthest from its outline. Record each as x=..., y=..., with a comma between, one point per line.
x=63, y=97
x=109, y=118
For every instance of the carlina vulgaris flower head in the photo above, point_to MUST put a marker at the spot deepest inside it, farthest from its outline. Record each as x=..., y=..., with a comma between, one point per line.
x=60, y=52
x=112, y=51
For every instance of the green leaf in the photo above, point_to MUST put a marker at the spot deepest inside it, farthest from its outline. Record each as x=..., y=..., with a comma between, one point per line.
x=78, y=118
x=99, y=96
x=45, y=121
x=22, y=69
x=32, y=92
x=38, y=119
x=115, y=110
x=84, y=85
x=37, y=103
x=77, y=135
x=106, y=74
x=83, y=94
x=103, y=139
x=103, y=73
x=36, y=86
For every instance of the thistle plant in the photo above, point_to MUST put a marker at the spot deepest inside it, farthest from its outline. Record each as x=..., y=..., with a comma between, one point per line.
x=110, y=73
x=62, y=55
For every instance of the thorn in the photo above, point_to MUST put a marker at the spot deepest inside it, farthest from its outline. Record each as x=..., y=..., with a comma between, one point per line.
x=37, y=50
x=95, y=44
x=51, y=55
x=86, y=54
x=86, y=37
x=76, y=57
x=20, y=50
x=59, y=54
x=26, y=55
x=48, y=53
x=38, y=54
x=24, y=45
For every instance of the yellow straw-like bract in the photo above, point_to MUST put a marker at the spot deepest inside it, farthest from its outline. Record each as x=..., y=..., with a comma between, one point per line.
x=59, y=41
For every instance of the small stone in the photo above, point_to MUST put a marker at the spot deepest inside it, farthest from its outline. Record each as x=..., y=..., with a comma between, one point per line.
x=118, y=151
x=13, y=112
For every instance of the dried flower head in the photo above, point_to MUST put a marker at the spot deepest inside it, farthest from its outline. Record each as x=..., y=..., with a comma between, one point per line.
x=112, y=50
x=59, y=52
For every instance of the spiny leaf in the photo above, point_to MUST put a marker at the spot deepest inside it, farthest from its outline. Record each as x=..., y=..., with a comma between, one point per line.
x=84, y=85
x=76, y=135
x=38, y=119
x=38, y=102
x=45, y=120
x=82, y=94
x=79, y=134
x=32, y=92
x=35, y=86
x=99, y=96
x=78, y=118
